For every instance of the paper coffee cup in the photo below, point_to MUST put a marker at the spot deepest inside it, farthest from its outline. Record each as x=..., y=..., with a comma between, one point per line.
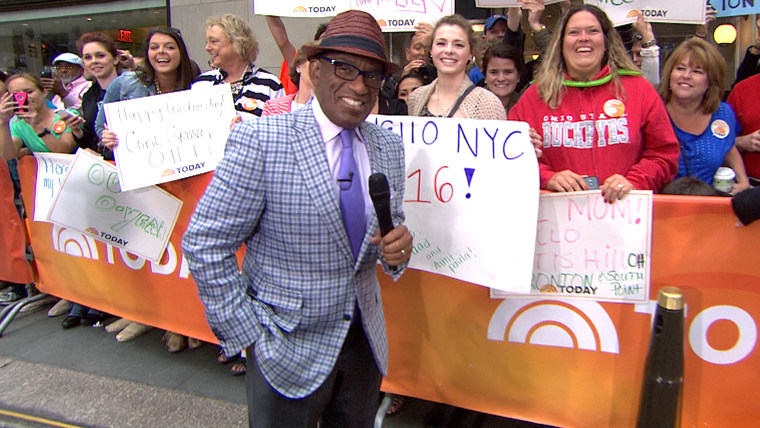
x=724, y=179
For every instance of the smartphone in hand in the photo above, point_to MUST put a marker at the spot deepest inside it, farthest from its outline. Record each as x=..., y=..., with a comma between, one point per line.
x=592, y=182
x=21, y=100
x=46, y=72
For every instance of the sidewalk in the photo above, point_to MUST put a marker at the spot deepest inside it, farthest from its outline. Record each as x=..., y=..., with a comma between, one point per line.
x=84, y=377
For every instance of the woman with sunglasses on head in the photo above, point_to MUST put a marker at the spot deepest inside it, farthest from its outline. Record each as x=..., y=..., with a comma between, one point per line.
x=233, y=49
x=167, y=68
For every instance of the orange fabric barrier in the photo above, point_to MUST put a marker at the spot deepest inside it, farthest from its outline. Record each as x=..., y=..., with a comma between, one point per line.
x=13, y=264
x=566, y=362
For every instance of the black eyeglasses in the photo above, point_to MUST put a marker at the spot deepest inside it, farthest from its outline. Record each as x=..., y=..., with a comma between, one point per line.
x=350, y=72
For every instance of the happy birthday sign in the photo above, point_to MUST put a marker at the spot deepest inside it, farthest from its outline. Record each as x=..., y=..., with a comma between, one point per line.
x=171, y=136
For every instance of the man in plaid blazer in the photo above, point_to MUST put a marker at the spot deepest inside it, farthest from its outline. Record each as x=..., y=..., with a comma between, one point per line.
x=306, y=306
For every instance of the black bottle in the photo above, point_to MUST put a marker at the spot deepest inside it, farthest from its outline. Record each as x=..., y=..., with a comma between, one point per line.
x=663, y=372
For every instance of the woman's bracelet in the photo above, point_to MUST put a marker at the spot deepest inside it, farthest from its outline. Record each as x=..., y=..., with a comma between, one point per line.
x=649, y=44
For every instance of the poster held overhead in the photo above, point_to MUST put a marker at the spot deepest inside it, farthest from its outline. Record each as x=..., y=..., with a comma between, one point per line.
x=675, y=12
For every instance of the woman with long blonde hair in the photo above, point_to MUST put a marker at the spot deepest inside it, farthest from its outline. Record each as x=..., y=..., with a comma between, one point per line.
x=591, y=124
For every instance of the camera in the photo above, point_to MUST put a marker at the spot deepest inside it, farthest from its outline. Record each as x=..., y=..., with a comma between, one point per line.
x=427, y=72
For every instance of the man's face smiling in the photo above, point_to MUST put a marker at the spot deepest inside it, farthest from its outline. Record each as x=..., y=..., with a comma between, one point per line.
x=346, y=103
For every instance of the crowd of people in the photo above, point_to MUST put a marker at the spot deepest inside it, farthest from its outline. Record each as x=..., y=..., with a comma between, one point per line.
x=602, y=115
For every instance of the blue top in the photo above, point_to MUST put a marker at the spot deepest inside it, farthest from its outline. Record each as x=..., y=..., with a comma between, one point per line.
x=702, y=155
x=476, y=75
x=125, y=87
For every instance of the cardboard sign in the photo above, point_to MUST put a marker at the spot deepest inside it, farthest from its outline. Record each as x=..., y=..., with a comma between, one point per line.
x=52, y=169
x=677, y=12
x=171, y=136
x=471, y=198
x=90, y=201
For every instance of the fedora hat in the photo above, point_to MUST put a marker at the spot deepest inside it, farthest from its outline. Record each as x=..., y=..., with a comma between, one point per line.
x=355, y=32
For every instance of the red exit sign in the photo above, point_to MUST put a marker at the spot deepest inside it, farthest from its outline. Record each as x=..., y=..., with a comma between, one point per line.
x=125, y=36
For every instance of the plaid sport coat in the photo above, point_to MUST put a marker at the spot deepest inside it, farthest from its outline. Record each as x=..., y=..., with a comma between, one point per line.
x=295, y=294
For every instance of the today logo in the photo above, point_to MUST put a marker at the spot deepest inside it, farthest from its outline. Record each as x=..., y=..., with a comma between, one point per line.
x=82, y=245
x=313, y=9
x=396, y=22
x=586, y=325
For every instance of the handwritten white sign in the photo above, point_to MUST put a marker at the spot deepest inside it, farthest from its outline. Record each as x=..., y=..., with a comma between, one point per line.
x=90, y=201
x=391, y=15
x=300, y=8
x=678, y=12
x=471, y=198
x=506, y=3
x=394, y=15
x=588, y=248
x=52, y=169
x=171, y=136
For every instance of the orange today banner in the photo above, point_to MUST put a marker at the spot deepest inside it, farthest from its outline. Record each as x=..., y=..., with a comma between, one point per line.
x=564, y=362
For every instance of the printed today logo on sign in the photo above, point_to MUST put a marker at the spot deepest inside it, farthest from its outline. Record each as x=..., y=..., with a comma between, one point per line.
x=396, y=22
x=314, y=9
x=627, y=11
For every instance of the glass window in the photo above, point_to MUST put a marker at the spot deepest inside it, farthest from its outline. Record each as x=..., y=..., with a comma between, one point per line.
x=30, y=39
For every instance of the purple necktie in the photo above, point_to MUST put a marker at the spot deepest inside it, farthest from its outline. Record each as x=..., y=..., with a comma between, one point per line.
x=351, y=199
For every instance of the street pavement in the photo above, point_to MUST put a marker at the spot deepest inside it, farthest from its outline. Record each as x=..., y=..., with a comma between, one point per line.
x=83, y=377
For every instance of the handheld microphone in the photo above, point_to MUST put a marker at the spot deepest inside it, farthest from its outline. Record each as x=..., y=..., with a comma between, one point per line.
x=380, y=193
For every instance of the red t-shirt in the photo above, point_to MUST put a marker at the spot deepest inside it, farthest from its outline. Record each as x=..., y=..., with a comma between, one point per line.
x=743, y=99
x=287, y=85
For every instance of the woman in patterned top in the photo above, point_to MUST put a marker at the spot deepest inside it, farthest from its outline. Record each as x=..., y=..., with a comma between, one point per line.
x=233, y=49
